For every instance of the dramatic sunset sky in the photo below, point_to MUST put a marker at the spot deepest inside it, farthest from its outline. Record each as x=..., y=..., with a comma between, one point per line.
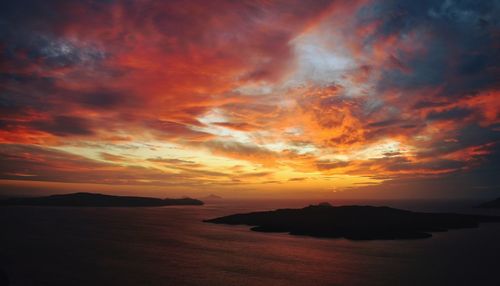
x=251, y=98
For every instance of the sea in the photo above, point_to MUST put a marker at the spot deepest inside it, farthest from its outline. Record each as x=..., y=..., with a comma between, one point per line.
x=173, y=246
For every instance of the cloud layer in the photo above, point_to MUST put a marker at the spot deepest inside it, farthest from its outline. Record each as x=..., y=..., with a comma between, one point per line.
x=259, y=95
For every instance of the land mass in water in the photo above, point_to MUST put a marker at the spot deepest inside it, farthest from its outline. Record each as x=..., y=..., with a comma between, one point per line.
x=494, y=204
x=96, y=200
x=212, y=197
x=354, y=222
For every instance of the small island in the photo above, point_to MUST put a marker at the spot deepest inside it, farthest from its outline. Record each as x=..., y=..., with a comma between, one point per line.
x=494, y=204
x=212, y=197
x=96, y=200
x=354, y=222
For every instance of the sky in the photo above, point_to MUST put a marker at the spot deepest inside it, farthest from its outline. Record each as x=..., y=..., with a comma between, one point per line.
x=257, y=98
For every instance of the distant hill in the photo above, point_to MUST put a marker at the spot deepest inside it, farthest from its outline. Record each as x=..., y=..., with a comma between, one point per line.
x=212, y=197
x=96, y=200
x=494, y=204
x=354, y=222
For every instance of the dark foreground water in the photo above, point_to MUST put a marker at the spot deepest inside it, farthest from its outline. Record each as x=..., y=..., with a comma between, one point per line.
x=171, y=246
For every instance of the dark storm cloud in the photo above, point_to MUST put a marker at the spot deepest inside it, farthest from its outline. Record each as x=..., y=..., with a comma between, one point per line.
x=436, y=165
x=444, y=70
x=467, y=137
x=428, y=104
x=20, y=93
x=64, y=126
x=22, y=47
x=451, y=114
x=36, y=57
x=52, y=52
x=460, y=37
x=481, y=181
x=48, y=15
x=104, y=99
x=385, y=123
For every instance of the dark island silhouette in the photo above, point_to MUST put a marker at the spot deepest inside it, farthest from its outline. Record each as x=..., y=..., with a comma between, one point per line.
x=96, y=200
x=494, y=204
x=212, y=197
x=354, y=222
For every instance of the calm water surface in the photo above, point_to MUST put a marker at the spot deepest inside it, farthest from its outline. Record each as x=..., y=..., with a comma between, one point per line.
x=172, y=246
